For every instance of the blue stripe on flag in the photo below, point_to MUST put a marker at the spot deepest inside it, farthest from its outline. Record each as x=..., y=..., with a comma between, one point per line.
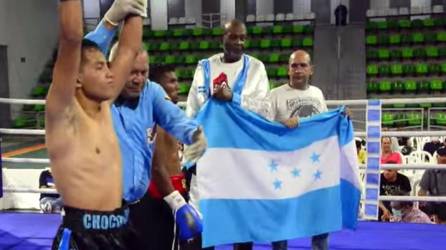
x=272, y=218
x=254, y=132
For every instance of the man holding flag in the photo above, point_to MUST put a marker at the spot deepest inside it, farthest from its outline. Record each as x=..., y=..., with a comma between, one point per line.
x=268, y=182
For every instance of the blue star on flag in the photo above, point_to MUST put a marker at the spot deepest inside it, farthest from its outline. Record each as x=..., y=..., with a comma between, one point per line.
x=315, y=157
x=295, y=172
x=317, y=175
x=273, y=166
x=277, y=184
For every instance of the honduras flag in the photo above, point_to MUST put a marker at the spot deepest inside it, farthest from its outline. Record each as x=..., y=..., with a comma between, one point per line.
x=259, y=181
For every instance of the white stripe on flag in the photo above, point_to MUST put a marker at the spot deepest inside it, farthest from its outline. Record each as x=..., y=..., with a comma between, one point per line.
x=228, y=173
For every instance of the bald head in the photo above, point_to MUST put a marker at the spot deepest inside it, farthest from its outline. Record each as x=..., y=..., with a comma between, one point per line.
x=300, y=69
x=233, y=40
x=234, y=24
x=301, y=54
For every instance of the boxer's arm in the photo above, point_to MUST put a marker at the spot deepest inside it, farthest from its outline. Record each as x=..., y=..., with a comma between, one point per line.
x=66, y=69
x=129, y=45
x=159, y=172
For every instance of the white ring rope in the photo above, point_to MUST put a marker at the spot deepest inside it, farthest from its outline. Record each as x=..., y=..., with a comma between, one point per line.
x=30, y=190
x=410, y=166
x=329, y=102
x=26, y=160
x=412, y=198
x=9, y=131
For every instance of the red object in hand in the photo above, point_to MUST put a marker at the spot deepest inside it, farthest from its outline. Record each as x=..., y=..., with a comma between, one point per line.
x=220, y=82
x=178, y=182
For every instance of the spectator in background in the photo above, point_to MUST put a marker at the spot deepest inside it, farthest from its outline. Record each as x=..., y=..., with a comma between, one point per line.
x=49, y=202
x=407, y=146
x=432, y=146
x=404, y=211
x=362, y=154
x=341, y=13
x=433, y=183
x=392, y=183
x=387, y=154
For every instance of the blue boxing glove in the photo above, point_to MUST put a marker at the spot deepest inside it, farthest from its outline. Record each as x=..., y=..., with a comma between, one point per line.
x=186, y=216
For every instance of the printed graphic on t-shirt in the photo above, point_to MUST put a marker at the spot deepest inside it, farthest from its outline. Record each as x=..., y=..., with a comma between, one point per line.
x=303, y=107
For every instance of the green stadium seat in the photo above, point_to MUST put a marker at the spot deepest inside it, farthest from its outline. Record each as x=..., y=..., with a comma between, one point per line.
x=298, y=29
x=263, y=57
x=217, y=31
x=407, y=53
x=408, y=69
x=160, y=33
x=184, y=45
x=282, y=72
x=39, y=108
x=164, y=46
x=443, y=68
x=371, y=40
x=385, y=86
x=20, y=122
x=400, y=119
x=382, y=25
x=414, y=118
x=440, y=118
x=432, y=52
x=410, y=86
x=257, y=30
x=417, y=37
x=191, y=59
x=286, y=43
x=441, y=36
x=204, y=45
x=428, y=23
x=179, y=32
x=372, y=54
x=153, y=46
x=214, y=44
x=372, y=87
x=179, y=59
x=155, y=59
x=183, y=88
x=434, y=69
x=372, y=70
x=147, y=33
x=198, y=31
x=442, y=52
x=395, y=39
x=170, y=59
x=383, y=54
x=417, y=23
x=265, y=43
x=384, y=70
x=396, y=69
x=419, y=53
x=387, y=119
x=297, y=42
x=421, y=69
x=274, y=58
x=252, y=44
x=278, y=30
x=39, y=91
x=436, y=85
x=404, y=24
x=307, y=42
x=395, y=54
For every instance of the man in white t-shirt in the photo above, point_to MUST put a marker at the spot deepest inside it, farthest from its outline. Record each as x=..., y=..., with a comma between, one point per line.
x=295, y=100
x=220, y=76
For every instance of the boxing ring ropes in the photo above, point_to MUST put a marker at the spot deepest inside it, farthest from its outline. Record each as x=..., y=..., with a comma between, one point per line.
x=372, y=134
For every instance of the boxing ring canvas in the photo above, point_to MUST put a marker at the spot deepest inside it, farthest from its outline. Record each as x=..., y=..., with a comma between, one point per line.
x=34, y=231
